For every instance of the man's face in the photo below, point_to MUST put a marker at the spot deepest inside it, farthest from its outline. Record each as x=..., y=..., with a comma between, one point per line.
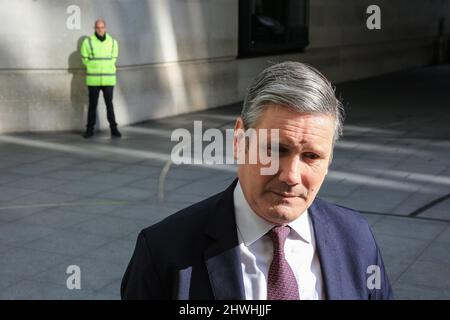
x=100, y=28
x=305, y=147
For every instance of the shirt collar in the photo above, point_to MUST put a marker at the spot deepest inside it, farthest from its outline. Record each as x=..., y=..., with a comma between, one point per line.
x=302, y=226
x=100, y=37
x=252, y=227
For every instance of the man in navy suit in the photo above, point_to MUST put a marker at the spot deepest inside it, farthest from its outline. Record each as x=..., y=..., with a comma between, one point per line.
x=267, y=236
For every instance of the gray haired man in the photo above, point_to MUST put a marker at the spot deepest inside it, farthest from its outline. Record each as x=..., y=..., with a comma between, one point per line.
x=267, y=236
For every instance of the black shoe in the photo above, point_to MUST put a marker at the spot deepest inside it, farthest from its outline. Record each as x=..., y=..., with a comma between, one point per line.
x=115, y=133
x=89, y=133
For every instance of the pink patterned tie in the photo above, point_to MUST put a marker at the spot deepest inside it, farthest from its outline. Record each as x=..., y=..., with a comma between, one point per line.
x=281, y=284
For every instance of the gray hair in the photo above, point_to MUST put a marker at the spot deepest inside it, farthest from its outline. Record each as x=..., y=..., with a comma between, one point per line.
x=296, y=86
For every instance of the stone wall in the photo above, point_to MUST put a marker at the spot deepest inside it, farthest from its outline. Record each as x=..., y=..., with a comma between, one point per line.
x=178, y=56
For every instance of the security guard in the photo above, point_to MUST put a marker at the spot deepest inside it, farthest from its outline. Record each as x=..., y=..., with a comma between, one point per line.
x=99, y=53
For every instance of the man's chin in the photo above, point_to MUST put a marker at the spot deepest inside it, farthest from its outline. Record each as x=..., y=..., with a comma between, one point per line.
x=283, y=213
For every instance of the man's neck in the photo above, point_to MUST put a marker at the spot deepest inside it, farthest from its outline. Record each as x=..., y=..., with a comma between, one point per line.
x=99, y=37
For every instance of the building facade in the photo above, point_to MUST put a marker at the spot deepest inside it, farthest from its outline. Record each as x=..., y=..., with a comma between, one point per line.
x=180, y=56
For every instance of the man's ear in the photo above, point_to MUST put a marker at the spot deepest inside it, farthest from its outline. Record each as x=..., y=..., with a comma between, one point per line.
x=238, y=127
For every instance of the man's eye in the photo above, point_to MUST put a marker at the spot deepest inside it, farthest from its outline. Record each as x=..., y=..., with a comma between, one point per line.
x=311, y=155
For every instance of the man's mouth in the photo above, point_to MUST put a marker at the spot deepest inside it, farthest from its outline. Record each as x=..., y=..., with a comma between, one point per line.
x=287, y=194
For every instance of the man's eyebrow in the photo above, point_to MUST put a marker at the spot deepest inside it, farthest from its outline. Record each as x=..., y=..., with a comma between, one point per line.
x=281, y=146
x=304, y=144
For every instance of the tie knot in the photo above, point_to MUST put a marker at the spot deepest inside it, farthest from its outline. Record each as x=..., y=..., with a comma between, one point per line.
x=279, y=235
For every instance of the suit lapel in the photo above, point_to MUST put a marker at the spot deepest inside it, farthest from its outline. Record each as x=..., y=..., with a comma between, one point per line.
x=225, y=274
x=221, y=255
x=330, y=260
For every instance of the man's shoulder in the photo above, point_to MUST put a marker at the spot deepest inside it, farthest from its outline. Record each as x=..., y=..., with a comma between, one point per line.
x=339, y=212
x=349, y=222
x=111, y=37
x=85, y=40
x=189, y=220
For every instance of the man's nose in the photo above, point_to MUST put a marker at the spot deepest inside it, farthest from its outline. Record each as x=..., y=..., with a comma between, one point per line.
x=290, y=171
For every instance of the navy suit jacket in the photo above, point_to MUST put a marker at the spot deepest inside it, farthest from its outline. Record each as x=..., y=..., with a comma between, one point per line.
x=194, y=254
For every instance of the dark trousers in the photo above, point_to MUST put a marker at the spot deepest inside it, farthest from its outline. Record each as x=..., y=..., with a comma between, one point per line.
x=94, y=92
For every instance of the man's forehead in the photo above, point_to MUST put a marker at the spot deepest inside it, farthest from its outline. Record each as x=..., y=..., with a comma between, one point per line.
x=294, y=128
x=295, y=123
x=304, y=140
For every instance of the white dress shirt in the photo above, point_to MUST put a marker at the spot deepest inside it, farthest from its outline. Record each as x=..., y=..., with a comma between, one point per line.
x=256, y=250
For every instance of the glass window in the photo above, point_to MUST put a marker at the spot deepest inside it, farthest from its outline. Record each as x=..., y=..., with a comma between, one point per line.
x=270, y=27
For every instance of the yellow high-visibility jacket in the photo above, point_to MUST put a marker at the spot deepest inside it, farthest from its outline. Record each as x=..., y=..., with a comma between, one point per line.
x=100, y=58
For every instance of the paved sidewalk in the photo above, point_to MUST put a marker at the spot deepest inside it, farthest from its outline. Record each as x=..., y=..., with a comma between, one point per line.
x=67, y=201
